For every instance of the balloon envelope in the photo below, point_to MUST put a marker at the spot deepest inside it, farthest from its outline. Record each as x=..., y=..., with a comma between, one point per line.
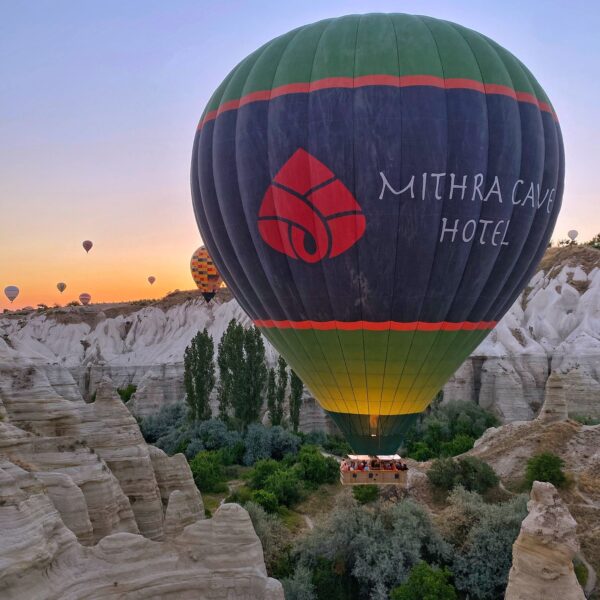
x=151, y=279
x=205, y=273
x=87, y=245
x=61, y=287
x=84, y=299
x=573, y=234
x=11, y=292
x=376, y=190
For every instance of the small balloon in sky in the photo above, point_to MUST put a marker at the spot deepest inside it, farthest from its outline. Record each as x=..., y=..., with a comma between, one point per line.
x=61, y=287
x=11, y=292
x=572, y=233
x=151, y=279
x=84, y=299
x=87, y=245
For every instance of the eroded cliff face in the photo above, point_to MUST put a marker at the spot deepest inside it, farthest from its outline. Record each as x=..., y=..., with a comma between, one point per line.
x=543, y=553
x=89, y=510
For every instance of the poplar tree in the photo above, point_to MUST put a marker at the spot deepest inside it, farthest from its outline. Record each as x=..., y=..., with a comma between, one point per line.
x=247, y=404
x=230, y=359
x=199, y=375
x=282, y=378
x=296, y=390
x=271, y=396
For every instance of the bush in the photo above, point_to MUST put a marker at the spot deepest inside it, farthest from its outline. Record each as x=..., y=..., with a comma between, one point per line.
x=169, y=421
x=240, y=495
x=262, y=470
x=364, y=494
x=283, y=442
x=448, y=430
x=546, y=467
x=258, y=444
x=284, y=485
x=316, y=468
x=275, y=539
x=426, y=583
x=300, y=585
x=208, y=473
x=470, y=472
x=374, y=546
x=266, y=499
x=127, y=392
x=336, y=444
x=483, y=536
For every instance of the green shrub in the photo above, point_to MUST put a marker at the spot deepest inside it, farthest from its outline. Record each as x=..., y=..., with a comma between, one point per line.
x=266, y=499
x=470, y=472
x=448, y=430
x=275, y=539
x=240, y=495
x=365, y=493
x=127, y=392
x=581, y=573
x=336, y=444
x=258, y=444
x=426, y=583
x=284, y=485
x=546, y=467
x=207, y=470
x=316, y=468
x=457, y=445
x=283, y=442
x=262, y=470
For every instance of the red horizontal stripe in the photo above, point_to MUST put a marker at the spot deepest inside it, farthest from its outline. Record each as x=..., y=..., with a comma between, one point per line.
x=377, y=325
x=381, y=80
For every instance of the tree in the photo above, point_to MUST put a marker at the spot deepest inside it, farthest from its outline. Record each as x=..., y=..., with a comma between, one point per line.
x=282, y=378
x=594, y=242
x=546, y=467
x=426, y=583
x=296, y=389
x=271, y=397
x=248, y=401
x=199, y=375
x=208, y=473
x=230, y=358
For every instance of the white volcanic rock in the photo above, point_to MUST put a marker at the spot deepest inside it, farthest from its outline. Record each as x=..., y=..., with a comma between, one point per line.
x=178, y=515
x=553, y=327
x=543, y=553
x=173, y=474
x=41, y=558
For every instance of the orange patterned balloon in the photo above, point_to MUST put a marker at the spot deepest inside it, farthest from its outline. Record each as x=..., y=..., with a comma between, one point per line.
x=205, y=273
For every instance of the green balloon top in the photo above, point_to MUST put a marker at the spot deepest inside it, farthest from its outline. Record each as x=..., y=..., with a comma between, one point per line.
x=405, y=48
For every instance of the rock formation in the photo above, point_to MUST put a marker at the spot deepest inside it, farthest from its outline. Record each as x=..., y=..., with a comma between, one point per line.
x=543, y=553
x=89, y=510
x=41, y=558
x=508, y=448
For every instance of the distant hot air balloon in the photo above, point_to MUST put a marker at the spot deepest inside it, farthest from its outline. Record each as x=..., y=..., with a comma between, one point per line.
x=205, y=273
x=84, y=298
x=11, y=292
x=61, y=287
x=87, y=245
x=151, y=279
x=376, y=191
x=573, y=233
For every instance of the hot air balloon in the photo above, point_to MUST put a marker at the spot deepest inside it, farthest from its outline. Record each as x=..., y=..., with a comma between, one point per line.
x=151, y=279
x=84, y=299
x=87, y=245
x=573, y=233
x=376, y=190
x=61, y=287
x=205, y=273
x=11, y=292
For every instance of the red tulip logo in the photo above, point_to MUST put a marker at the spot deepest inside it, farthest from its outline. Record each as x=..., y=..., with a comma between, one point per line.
x=308, y=213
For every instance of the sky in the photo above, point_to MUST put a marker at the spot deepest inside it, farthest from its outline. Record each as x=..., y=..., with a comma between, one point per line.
x=99, y=102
